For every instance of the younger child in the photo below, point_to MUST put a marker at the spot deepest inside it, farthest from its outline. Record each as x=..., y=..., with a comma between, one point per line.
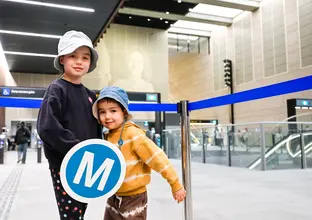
x=140, y=153
x=65, y=117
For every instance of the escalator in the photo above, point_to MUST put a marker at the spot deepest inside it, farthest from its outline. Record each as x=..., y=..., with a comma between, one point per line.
x=291, y=143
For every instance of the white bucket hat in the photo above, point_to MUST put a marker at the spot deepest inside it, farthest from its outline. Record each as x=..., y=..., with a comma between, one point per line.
x=69, y=42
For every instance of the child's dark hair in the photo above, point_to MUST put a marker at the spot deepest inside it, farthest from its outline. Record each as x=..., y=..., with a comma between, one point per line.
x=109, y=100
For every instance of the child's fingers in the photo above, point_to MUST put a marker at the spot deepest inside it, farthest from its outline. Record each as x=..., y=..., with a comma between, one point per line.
x=180, y=198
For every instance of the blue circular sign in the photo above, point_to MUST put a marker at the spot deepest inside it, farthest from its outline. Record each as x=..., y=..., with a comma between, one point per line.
x=93, y=168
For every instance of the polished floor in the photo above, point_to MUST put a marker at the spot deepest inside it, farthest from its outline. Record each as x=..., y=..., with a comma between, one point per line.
x=219, y=193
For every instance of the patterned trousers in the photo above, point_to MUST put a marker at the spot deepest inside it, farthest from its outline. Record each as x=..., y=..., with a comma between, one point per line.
x=69, y=208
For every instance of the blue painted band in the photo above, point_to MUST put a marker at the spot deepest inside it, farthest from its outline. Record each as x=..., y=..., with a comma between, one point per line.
x=20, y=102
x=282, y=88
x=291, y=86
x=165, y=107
x=35, y=103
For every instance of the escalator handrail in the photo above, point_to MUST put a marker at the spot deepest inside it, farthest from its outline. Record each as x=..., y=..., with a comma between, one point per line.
x=272, y=149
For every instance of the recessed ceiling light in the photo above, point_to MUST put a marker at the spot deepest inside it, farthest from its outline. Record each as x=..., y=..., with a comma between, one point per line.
x=149, y=19
x=166, y=22
x=29, y=54
x=171, y=25
x=30, y=34
x=52, y=5
x=130, y=17
x=179, y=1
x=160, y=18
x=167, y=12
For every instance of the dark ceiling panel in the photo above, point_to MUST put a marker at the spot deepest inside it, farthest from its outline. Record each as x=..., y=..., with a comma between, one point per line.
x=153, y=5
x=28, y=44
x=142, y=21
x=46, y=20
x=28, y=64
x=161, y=6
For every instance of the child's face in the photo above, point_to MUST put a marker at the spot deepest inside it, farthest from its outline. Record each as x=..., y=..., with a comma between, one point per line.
x=110, y=114
x=77, y=63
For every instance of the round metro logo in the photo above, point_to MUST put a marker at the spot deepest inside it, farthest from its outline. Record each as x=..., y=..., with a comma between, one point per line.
x=93, y=168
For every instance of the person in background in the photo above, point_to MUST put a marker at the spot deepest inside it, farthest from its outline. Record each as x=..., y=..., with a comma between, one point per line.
x=22, y=138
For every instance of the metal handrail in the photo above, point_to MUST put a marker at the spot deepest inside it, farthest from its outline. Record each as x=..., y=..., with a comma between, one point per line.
x=308, y=148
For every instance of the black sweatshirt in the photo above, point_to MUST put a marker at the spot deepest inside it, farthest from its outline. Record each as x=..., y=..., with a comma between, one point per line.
x=65, y=119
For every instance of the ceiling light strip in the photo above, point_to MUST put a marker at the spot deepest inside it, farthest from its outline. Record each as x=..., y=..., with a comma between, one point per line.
x=52, y=5
x=29, y=54
x=30, y=34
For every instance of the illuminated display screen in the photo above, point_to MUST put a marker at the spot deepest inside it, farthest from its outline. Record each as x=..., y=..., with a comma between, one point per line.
x=304, y=102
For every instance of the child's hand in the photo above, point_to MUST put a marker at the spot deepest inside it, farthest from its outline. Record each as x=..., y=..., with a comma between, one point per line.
x=179, y=195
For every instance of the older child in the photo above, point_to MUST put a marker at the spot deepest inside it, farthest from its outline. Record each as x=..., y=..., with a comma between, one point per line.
x=140, y=153
x=65, y=116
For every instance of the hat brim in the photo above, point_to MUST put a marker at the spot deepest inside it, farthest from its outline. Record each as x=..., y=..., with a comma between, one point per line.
x=95, y=109
x=72, y=48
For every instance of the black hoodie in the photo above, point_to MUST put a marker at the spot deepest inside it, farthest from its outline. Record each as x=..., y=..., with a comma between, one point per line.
x=22, y=135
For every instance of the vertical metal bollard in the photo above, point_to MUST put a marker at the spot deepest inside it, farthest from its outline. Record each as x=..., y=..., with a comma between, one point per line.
x=39, y=150
x=302, y=148
x=186, y=158
x=1, y=154
x=167, y=145
x=2, y=149
x=262, y=147
x=205, y=139
x=229, y=158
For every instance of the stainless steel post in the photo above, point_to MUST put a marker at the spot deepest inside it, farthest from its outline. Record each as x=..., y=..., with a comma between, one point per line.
x=228, y=149
x=302, y=146
x=204, y=145
x=1, y=154
x=262, y=148
x=186, y=159
x=167, y=144
x=39, y=154
x=2, y=149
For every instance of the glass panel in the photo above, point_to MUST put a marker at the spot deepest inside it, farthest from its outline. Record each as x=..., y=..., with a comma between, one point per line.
x=283, y=146
x=183, y=44
x=172, y=143
x=172, y=41
x=210, y=144
x=216, y=147
x=245, y=144
x=196, y=145
x=203, y=45
x=193, y=44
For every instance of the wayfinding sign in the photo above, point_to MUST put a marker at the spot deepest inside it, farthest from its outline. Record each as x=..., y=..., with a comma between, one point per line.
x=92, y=169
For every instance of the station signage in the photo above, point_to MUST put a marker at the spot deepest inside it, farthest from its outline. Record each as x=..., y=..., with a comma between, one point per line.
x=38, y=93
x=21, y=92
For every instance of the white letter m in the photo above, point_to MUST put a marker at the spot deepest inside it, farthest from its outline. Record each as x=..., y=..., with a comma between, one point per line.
x=87, y=163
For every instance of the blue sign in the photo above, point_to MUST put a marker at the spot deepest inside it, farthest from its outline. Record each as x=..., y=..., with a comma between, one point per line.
x=6, y=92
x=92, y=169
